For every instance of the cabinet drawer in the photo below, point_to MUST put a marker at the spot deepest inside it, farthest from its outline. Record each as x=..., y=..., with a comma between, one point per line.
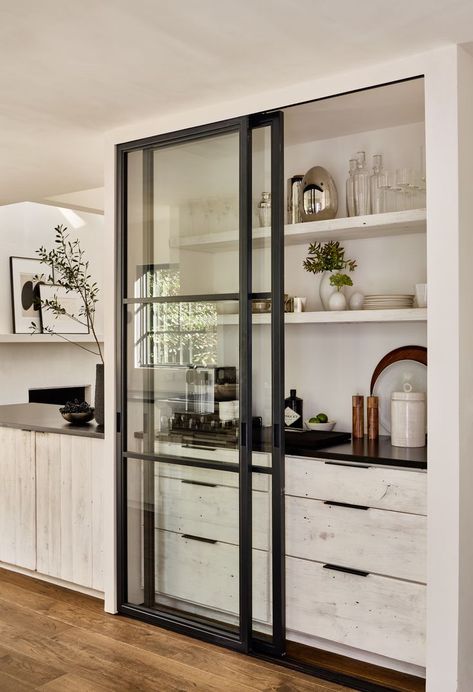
x=207, y=574
x=208, y=510
x=372, y=540
x=377, y=614
x=218, y=454
x=260, y=481
x=400, y=490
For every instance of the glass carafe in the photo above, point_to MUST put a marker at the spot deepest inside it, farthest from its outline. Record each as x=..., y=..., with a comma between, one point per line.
x=264, y=209
x=361, y=184
x=351, y=188
x=378, y=186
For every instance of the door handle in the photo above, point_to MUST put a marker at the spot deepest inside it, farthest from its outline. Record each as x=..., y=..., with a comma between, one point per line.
x=206, y=485
x=348, y=570
x=197, y=538
x=344, y=504
x=340, y=463
x=205, y=449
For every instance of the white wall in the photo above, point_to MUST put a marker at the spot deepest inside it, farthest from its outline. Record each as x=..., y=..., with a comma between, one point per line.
x=465, y=124
x=23, y=228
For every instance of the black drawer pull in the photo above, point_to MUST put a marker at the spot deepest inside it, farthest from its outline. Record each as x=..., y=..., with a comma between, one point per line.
x=348, y=570
x=206, y=485
x=344, y=504
x=205, y=449
x=197, y=538
x=341, y=463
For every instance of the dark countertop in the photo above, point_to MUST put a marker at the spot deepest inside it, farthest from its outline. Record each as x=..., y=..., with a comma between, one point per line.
x=379, y=451
x=365, y=451
x=44, y=418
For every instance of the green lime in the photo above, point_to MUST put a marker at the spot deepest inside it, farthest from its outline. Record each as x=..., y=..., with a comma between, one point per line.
x=322, y=418
x=314, y=419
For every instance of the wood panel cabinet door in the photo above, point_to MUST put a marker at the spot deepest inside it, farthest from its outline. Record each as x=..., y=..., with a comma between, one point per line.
x=17, y=498
x=69, y=508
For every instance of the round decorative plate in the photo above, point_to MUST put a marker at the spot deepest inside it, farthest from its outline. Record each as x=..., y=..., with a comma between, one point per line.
x=405, y=364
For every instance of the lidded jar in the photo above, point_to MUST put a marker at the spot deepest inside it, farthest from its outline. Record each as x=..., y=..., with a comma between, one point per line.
x=408, y=418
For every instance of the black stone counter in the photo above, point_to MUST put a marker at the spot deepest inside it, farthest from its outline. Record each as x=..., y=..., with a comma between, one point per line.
x=362, y=451
x=44, y=418
x=379, y=451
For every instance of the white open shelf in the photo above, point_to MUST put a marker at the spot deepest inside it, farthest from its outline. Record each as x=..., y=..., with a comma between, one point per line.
x=336, y=317
x=352, y=228
x=47, y=339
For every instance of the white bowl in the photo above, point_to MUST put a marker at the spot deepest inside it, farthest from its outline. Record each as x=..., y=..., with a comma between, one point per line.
x=324, y=427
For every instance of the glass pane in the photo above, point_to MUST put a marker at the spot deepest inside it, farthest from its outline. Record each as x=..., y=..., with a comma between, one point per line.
x=182, y=376
x=262, y=557
x=183, y=217
x=183, y=541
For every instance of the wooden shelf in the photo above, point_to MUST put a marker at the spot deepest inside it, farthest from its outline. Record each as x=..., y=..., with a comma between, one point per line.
x=46, y=339
x=336, y=317
x=353, y=228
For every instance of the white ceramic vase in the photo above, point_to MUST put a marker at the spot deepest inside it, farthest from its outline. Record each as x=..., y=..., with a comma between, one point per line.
x=326, y=289
x=337, y=301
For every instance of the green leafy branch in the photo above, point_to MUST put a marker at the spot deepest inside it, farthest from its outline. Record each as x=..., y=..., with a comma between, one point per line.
x=339, y=280
x=328, y=256
x=70, y=270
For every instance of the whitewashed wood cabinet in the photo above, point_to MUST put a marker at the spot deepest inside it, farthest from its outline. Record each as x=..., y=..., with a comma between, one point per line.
x=69, y=500
x=356, y=556
x=17, y=498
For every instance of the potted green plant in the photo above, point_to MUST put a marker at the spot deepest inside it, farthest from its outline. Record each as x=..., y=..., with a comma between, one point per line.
x=69, y=272
x=329, y=260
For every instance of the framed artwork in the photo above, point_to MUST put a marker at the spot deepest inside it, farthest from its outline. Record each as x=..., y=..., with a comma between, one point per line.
x=72, y=303
x=25, y=292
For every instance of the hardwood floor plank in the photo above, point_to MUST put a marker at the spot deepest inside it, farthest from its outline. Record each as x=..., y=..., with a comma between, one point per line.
x=71, y=683
x=26, y=669
x=9, y=684
x=27, y=619
x=81, y=648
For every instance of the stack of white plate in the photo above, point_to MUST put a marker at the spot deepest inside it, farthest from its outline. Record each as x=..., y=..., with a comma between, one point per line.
x=388, y=301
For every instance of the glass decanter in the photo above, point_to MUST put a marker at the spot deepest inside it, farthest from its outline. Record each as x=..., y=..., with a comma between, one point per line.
x=351, y=188
x=378, y=186
x=361, y=184
x=264, y=209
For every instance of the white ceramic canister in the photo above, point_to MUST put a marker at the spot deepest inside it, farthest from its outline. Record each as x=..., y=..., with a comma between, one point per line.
x=408, y=418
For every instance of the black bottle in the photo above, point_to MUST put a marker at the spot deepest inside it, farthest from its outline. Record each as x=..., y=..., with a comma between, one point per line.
x=293, y=411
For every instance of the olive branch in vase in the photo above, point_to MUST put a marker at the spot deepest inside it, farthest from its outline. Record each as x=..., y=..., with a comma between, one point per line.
x=69, y=270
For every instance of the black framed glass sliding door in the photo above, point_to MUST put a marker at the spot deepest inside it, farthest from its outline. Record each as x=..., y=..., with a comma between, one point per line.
x=187, y=558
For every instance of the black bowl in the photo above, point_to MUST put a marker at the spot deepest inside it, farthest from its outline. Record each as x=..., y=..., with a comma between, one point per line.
x=78, y=418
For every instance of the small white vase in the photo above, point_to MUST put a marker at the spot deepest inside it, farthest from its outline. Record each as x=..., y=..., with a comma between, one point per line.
x=337, y=301
x=326, y=289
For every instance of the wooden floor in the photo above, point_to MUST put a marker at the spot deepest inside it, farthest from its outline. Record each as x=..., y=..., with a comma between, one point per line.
x=56, y=640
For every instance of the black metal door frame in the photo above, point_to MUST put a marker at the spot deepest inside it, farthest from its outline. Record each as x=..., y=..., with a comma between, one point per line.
x=243, y=641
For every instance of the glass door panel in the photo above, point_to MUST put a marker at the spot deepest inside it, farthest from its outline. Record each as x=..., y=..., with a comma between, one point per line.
x=184, y=473
x=267, y=377
x=182, y=375
x=190, y=564
x=186, y=197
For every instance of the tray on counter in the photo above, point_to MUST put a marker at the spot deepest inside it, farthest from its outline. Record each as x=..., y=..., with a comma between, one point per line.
x=314, y=439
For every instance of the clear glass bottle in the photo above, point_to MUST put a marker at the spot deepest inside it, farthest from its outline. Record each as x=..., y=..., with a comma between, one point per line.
x=378, y=186
x=361, y=184
x=351, y=188
x=264, y=209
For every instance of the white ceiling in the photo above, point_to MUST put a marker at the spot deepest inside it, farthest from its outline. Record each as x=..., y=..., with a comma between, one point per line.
x=72, y=70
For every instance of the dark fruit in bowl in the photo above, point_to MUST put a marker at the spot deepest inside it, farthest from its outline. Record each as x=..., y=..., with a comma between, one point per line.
x=77, y=412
